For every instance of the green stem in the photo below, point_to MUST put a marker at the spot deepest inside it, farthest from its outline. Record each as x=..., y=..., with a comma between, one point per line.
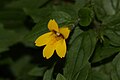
x=75, y=23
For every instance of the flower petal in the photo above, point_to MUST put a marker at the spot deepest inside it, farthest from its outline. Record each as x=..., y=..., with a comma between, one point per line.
x=61, y=48
x=65, y=31
x=52, y=25
x=48, y=51
x=43, y=39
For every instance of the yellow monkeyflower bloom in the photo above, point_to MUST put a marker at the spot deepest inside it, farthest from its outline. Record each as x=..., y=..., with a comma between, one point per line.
x=54, y=40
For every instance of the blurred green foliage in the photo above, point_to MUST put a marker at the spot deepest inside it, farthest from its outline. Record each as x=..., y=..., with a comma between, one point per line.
x=93, y=47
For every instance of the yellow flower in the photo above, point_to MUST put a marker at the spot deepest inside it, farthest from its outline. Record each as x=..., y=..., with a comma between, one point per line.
x=54, y=40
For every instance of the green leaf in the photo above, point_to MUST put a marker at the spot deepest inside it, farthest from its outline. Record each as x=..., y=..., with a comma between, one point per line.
x=39, y=14
x=7, y=61
x=112, y=69
x=26, y=3
x=60, y=77
x=96, y=75
x=11, y=14
x=3, y=3
x=85, y=15
x=112, y=21
x=11, y=20
x=39, y=29
x=83, y=73
x=5, y=38
x=67, y=8
x=21, y=67
x=116, y=68
x=15, y=23
x=48, y=74
x=77, y=31
x=113, y=36
x=105, y=8
x=111, y=30
x=37, y=71
x=81, y=3
x=49, y=13
x=79, y=53
x=104, y=52
x=61, y=17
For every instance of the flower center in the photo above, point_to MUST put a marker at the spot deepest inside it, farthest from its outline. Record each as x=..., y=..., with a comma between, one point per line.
x=58, y=34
